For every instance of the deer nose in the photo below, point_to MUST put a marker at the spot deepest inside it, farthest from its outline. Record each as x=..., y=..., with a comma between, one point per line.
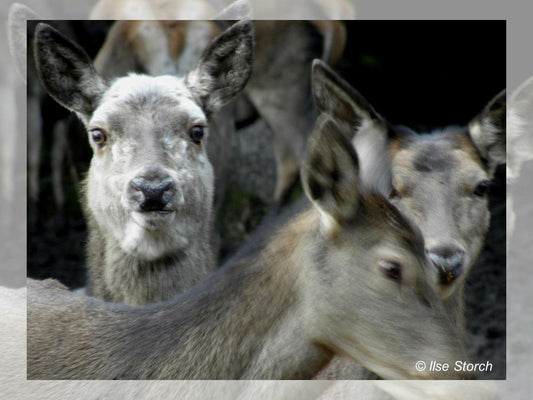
x=449, y=261
x=152, y=194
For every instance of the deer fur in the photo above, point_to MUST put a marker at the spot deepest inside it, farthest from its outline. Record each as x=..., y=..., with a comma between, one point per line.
x=348, y=275
x=438, y=180
x=433, y=178
x=279, y=87
x=149, y=189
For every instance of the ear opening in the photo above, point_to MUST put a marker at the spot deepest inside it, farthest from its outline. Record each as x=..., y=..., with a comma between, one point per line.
x=330, y=173
x=368, y=131
x=224, y=67
x=336, y=97
x=488, y=132
x=66, y=71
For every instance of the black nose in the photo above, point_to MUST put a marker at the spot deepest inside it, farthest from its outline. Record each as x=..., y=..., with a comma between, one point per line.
x=449, y=261
x=152, y=194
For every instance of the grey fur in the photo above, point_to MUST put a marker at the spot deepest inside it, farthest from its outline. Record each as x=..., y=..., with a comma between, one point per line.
x=140, y=256
x=271, y=314
x=280, y=84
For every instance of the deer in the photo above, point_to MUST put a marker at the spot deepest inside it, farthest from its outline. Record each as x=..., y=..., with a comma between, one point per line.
x=279, y=89
x=348, y=274
x=438, y=180
x=149, y=189
x=173, y=47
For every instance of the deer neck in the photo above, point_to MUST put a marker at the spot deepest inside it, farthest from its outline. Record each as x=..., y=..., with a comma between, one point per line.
x=245, y=321
x=259, y=329
x=455, y=303
x=115, y=275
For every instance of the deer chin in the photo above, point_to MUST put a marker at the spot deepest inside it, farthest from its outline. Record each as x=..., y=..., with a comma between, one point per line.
x=141, y=240
x=447, y=289
x=153, y=220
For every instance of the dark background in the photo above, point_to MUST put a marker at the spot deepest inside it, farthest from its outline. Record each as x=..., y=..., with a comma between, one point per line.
x=426, y=73
x=423, y=74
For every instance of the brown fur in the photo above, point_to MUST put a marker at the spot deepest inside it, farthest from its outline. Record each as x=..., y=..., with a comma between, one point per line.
x=279, y=312
x=431, y=178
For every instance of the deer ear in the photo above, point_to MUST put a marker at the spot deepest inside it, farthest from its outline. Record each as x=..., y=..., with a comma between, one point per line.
x=66, y=72
x=224, y=67
x=334, y=96
x=487, y=131
x=368, y=131
x=330, y=173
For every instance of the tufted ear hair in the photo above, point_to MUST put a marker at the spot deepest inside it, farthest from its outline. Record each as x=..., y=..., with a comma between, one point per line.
x=369, y=132
x=334, y=96
x=66, y=72
x=224, y=67
x=330, y=173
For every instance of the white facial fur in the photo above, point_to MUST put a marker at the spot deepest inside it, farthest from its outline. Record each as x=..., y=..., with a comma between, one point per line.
x=147, y=121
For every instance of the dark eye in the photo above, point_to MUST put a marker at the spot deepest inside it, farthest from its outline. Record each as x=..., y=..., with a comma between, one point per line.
x=197, y=133
x=482, y=188
x=391, y=270
x=394, y=194
x=98, y=137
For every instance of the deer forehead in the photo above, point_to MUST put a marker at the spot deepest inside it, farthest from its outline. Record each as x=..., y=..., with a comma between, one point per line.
x=143, y=95
x=450, y=159
x=134, y=84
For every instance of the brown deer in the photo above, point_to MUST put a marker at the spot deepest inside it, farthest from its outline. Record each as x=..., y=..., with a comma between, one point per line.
x=149, y=189
x=347, y=275
x=439, y=180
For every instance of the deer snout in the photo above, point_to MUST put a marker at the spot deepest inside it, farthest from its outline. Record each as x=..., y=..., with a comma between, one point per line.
x=152, y=194
x=449, y=261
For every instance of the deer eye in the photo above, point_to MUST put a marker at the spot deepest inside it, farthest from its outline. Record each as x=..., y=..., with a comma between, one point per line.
x=482, y=188
x=197, y=133
x=98, y=136
x=391, y=270
x=394, y=194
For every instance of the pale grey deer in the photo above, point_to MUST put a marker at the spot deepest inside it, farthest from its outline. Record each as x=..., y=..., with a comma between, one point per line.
x=439, y=180
x=149, y=189
x=279, y=88
x=347, y=275
x=284, y=51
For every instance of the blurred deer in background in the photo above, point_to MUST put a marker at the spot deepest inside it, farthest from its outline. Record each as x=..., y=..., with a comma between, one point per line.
x=439, y=180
